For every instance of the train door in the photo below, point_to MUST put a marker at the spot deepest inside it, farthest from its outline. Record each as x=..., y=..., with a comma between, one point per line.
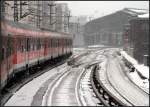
x=38, y=49
x=21, y=55
x=52, y=47
x=14, y=51
x=45, y=47
x=62, y=40
x=3, y=72
x=27, y=51
x=9, y=52
x=49, y=48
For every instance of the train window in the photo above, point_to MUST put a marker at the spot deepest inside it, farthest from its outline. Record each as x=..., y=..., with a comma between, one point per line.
x=9, y=47
x=18, y=44
x=7, y=52
x=3, y=53
x=33, y=46
x=38, y=44
x=22, y=48
x=49, y=44
x=27, y=44
x=53, y=43
x=58, y=43
x=66, y=42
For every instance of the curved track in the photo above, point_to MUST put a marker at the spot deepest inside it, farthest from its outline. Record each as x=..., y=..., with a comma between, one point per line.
x=64, y=90
x=124, y=86
x=112, y=86
x=92, y=78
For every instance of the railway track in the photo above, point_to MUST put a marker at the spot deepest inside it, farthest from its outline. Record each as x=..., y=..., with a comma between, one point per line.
x=102, y=93
x=83, y=83
x=19, y=81
x=65, y=89
x=123, y=85
x=38, y=97
x=105, y=85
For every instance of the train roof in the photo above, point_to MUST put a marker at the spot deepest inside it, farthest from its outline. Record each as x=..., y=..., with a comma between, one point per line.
x=27, y=30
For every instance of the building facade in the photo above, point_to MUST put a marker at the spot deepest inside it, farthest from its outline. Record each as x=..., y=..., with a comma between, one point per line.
x=14, y=11
x=45, y=15
x=76, y=28
x=62, y=15
x=109, y=28
x=139, y=39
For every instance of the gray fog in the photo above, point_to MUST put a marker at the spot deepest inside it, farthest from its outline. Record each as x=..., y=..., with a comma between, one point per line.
x=96, y=9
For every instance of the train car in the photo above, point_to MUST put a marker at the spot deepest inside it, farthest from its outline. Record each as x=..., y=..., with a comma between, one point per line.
x=24, y=46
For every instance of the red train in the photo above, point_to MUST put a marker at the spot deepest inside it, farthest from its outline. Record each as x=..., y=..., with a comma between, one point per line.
x=24, y=46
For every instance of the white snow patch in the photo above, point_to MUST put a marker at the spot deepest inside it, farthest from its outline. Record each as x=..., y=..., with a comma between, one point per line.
x=144, y=16
x=144, y=84
x=144, y=70
x=95, y=46
x=139, y=10
x=87, y=96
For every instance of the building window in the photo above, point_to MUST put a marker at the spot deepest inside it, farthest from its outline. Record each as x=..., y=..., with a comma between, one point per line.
x=145, y=26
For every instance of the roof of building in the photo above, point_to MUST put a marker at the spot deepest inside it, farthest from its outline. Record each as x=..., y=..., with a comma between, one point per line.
x=144, y=15
x=135, y=11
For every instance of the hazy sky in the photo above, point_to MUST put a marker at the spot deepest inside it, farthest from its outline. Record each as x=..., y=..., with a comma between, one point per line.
x=101, y=8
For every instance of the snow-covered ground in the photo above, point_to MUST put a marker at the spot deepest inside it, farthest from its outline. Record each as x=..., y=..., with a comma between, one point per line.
x=87, y=95
x=95, y=46
x=144, y=70
x=24, y=96
x=134, y=76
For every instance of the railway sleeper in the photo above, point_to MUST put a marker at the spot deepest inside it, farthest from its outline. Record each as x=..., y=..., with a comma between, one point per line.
x=108, y=99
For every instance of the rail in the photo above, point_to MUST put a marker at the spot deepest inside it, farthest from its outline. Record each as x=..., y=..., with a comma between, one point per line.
x=102, y=93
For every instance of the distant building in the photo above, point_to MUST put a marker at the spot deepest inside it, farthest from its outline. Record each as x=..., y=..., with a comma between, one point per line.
x=139, y=38
x=36, y=13
x=62, y=13
x=11, y=11
x=109, y=29
x=76, y=28
x=42, y=14
x=126, y=38
x=48, y=15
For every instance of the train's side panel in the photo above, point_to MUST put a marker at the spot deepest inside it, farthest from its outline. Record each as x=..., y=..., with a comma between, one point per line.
x=6, y=59
x=21, y=54
x=4, y=72
x=63, y=46
x=32, y=52
x=22, y=50
x=45, y=49
x=9, y=55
